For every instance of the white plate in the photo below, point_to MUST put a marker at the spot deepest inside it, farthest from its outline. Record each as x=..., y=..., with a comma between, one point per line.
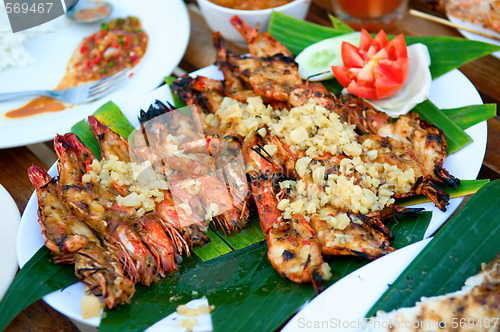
x=341, y=308
x=10, y=222
x=473, y=36
x=168, y=27
x=449, y=91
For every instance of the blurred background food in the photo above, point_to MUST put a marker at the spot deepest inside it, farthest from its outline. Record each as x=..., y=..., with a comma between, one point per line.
x=484, y=12
x=217, y=14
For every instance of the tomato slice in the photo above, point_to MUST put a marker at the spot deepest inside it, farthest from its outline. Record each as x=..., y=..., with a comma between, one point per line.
x=376, y=69
x=365, y=41
x=351, y=56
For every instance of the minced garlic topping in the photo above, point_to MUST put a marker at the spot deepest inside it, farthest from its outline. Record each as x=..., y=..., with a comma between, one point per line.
x=357, y=186
x=311, y=127
x=186, y=311
x=355, y=183
x=190, y=321
x=144, y=184
x=91, y=306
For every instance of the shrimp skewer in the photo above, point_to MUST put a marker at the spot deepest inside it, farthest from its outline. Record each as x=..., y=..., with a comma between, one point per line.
x=363, y=236
x=357, y=238
x=260, y=44
x=427, y=141
x=87, y=202
x=211, y=188
x=233, y=86
x=208, y=162
x=64, y=233
x=420, y=145
x=273, y=77
x=148, y=227
x=396, y=153
x=72, y=241
x=293, y=249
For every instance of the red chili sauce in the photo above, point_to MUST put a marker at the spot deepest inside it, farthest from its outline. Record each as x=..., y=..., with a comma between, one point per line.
x=250, y=4
x=118, y=44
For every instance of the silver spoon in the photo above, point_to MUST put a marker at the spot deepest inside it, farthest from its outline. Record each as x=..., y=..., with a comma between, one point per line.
x=89, y=11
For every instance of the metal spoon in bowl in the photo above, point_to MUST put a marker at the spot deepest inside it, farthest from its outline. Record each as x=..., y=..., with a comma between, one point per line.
x=89, y=11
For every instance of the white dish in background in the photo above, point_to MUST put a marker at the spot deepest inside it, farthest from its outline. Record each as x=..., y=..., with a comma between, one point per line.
x=449, y=91
x=473, y=36
x=218, y=17
x=9, y=222
x=167, y=24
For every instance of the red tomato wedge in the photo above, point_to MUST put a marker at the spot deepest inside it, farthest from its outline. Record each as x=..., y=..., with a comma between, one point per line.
x=376, y=69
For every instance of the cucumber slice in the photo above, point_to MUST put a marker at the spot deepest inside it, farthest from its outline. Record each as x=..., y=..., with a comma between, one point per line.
x=315, y=60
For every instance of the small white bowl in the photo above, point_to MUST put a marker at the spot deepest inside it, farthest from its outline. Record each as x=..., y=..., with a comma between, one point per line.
x=217, y=17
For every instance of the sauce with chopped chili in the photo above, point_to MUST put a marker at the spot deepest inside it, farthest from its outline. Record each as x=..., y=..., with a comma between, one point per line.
x=250, y=4
x=120, y=43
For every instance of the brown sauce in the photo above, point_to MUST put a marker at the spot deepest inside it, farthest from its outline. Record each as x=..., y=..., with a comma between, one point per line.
x=250, y=4
x=118, y=44
x=37, y=106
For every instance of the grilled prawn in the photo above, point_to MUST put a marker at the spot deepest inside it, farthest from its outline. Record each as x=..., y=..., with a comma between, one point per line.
x=64, y=233
x=364, y=236
x=419, y=143
x=426, y=140
x=293, y=250
x=87, y=202
x=72, y=241
x=188, y=158
x=149, y=226
x=396, y=153
x=260, y=44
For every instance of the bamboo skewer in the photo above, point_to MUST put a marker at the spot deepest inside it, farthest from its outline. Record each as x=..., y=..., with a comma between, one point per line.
x=451, y=24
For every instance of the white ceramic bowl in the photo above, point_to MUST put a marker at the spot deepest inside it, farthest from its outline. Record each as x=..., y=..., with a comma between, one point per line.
x=217, y=17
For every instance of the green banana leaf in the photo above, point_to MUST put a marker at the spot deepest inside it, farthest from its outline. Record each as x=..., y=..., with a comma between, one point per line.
x=455, y=253
x=456, y=137
x=338, y=25
x=248, y=294
x=468, y=116
x=38, y=277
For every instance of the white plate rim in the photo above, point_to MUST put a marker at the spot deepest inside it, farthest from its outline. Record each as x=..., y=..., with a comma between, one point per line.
x=336, y=313
x=165, y=51
x=463, y=93
x=10, y=223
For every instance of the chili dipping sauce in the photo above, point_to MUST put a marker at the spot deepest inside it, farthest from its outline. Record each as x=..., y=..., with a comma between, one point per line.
x=250, y=4
x=120, y=43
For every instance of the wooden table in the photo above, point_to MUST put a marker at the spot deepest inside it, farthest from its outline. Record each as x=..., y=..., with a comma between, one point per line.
x=483, y=73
